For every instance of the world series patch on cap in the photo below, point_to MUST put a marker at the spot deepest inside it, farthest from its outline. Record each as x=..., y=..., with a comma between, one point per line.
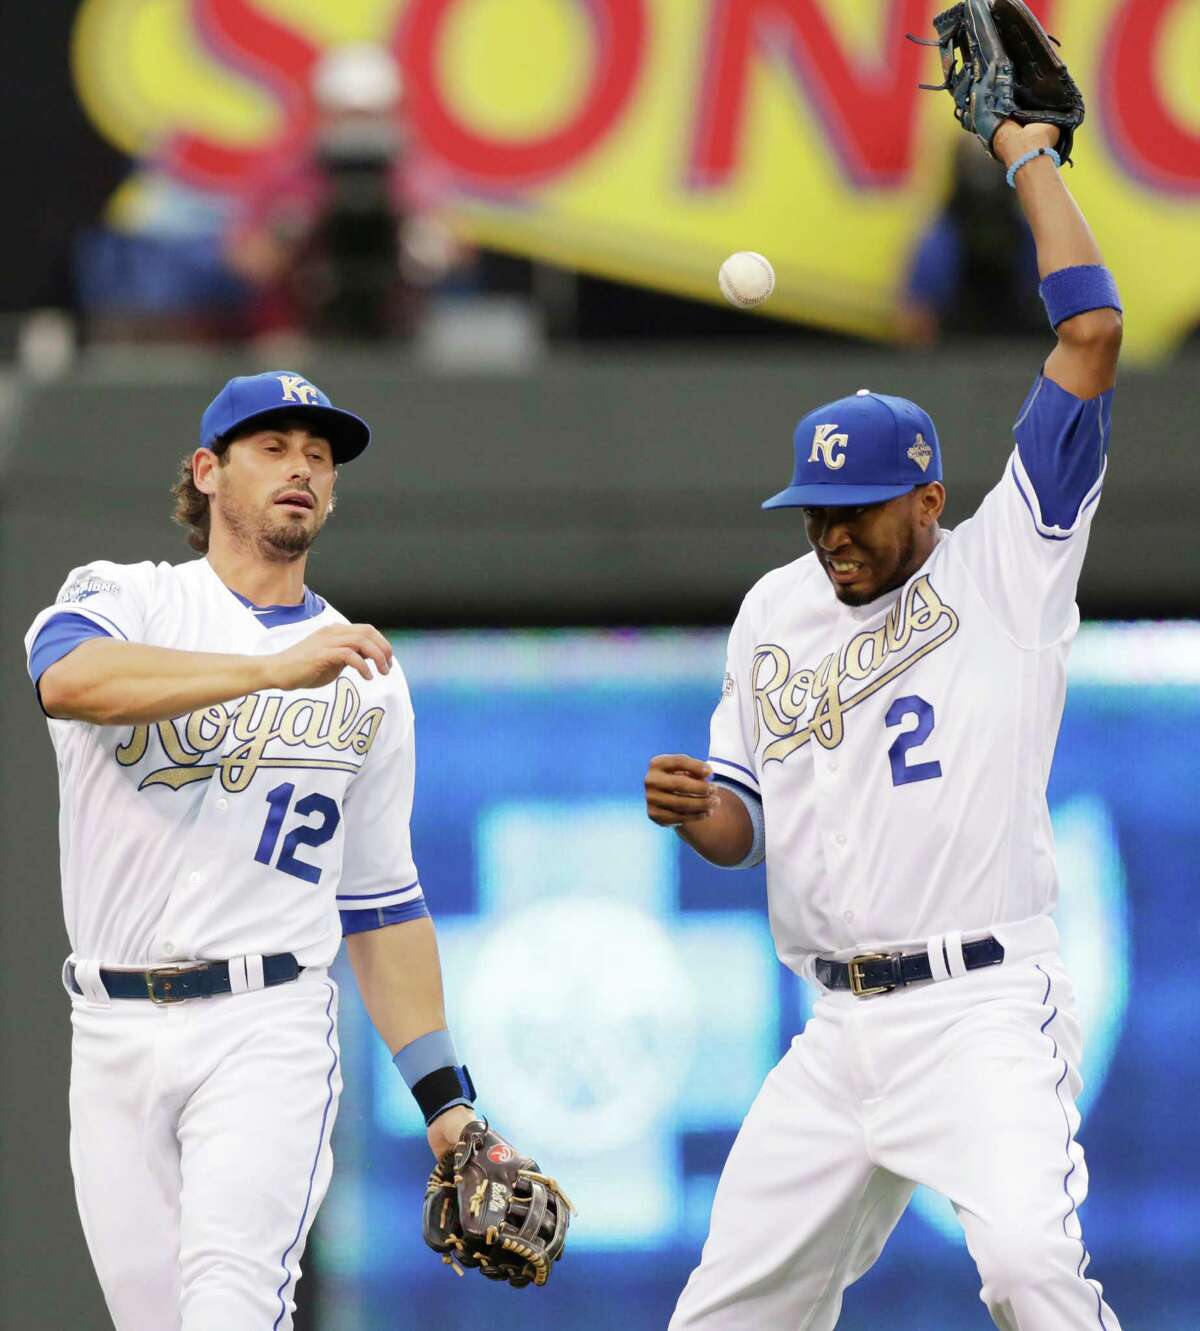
x=253, y=399
x=861, y=450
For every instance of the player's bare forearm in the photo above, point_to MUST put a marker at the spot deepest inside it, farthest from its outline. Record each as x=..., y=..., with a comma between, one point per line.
x=724, y=837
x=113, y=683
x=1060, y=231
x=1085, y=360
x=399, y=975
x=711, y=819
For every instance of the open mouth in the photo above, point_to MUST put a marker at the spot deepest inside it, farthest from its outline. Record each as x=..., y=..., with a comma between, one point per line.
x=296, y=499
x=845, y=571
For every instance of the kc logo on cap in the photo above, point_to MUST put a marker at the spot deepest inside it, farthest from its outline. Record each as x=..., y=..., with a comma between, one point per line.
x=824, y=442
x=296, y=389
x=258, y=400
x=860, y=450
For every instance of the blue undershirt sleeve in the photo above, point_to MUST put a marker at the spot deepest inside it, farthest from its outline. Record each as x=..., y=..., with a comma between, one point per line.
x=1062, y=442
x=58, y=637
x=359, y=921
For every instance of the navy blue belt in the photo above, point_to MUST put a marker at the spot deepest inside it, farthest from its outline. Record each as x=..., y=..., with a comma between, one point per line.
x=881, y=972
x=193, y=979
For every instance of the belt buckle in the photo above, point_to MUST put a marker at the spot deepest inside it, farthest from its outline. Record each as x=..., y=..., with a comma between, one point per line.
x=167, y=998
x=857, y=986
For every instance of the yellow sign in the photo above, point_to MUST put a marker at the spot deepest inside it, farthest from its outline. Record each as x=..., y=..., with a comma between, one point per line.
x=648, y=139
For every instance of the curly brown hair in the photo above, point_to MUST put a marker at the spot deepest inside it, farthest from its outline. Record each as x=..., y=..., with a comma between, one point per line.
x=191, y=506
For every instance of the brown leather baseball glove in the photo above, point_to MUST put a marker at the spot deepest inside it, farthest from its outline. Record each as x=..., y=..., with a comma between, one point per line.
x=490, y=1207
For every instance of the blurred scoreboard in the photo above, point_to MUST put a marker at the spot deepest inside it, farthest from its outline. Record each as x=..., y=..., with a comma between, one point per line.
x=619, y=1001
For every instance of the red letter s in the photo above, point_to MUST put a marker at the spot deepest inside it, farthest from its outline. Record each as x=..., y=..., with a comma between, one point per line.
x=270, y=54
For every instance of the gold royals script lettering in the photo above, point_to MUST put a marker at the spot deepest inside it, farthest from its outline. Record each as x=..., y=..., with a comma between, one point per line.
x=259, y=720
x=796, y=706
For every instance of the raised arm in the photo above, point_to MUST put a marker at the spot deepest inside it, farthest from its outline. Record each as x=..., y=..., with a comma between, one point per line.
x=1085, y=360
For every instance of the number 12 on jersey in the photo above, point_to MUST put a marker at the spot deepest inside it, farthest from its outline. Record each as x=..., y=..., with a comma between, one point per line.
x=902, y=772
x=306, y=834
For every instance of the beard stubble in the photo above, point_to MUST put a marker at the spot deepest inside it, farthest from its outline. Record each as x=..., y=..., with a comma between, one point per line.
x=278, y=542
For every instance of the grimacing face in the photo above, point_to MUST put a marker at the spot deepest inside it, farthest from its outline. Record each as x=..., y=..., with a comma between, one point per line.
x=873, y=549
x=273, y=489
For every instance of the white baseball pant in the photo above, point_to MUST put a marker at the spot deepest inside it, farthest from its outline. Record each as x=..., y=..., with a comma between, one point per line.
x=967, y=1086
x=200, y=1149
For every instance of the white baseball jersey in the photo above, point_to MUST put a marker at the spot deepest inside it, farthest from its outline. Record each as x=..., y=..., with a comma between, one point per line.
x=246, y=826
x=901, y=749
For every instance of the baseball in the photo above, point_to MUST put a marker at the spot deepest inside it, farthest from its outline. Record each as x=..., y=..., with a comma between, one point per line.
x=746, y=279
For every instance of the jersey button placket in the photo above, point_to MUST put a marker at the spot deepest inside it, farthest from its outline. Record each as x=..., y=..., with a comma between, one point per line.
x=839, y=841
x=834, y=841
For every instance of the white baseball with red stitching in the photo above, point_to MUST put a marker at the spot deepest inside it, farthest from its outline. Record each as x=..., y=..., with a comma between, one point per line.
x=746, y=279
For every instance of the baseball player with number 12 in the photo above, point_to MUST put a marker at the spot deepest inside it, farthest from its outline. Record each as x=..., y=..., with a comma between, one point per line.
x=884, y=739
x=236, y=773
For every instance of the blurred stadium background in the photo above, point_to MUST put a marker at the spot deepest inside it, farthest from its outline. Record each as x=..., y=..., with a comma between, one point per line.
x=493, y=228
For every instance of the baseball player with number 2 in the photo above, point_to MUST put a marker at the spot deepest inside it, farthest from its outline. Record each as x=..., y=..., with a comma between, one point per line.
x=884, y=740
x=236, y=778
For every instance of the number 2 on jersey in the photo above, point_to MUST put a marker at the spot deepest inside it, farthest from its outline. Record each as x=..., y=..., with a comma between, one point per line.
x=305, y=835
x=902, y=773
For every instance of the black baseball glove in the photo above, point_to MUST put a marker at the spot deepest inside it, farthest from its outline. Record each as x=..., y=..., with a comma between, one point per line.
x=488, y=1206
x=999, y=64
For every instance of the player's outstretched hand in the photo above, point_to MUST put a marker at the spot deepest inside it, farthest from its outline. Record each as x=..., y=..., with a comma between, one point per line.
x=678, y=790
x=321, y=657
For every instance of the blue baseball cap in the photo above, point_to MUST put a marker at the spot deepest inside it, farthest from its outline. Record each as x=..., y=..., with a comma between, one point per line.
x=861, y=450
x=251, y=399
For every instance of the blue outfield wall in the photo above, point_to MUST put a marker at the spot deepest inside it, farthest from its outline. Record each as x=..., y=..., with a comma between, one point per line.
x=619, y=1001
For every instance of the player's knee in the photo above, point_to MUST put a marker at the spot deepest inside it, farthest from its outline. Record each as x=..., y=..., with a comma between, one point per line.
x=1010, y=1260
x=139, y=1287
x=226, y=1291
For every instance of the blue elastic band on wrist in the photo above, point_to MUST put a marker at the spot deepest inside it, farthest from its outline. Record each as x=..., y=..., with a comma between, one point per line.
x=1072, y=291
x=1028, y=157
x=429, y=1065
x=424, y=1055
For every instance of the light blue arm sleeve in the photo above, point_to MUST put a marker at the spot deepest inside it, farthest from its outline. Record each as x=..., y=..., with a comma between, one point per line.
x=758, y=847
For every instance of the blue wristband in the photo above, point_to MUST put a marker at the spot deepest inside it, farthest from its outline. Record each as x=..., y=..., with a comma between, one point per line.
x=430, y=1067
x=1026, y=159
x=1072, y=291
